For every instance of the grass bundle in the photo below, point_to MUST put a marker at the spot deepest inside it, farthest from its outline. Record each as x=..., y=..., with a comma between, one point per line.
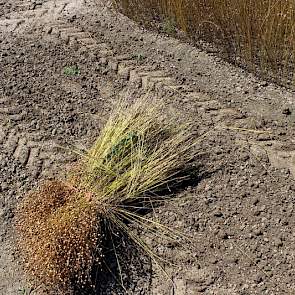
x=257, y=34
x=137, y=155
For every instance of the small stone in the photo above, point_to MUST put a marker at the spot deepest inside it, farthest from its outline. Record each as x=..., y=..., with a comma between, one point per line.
x=49, y=30
x=224, y=235
x=103, y=61
x=286, y=111
x=258, y=232
x=278, y=243
x=214, y=260
x=255, y=201
x=256, y=212
x=265, y=137
x=233, y=260
x=258, y=279
x=3, y=186
x=218, y=213
x=263, y=84
x=285, y=222
x=262, y=208
x=201, y=289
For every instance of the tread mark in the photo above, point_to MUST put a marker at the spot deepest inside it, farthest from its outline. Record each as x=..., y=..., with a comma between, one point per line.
x=282, y=159
x=74, y=35
x=18, y=24
x=29, y=14
x=63, y=7
x=12, y=142
x=124, y=69
x=34, y=153
x=22, y=151
x=151, y=82
x=15, y=113
x=36, y=156
x=2, y=135
x=32, y=14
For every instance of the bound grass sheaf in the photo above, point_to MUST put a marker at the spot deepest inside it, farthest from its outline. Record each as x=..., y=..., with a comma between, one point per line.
x=138, y=154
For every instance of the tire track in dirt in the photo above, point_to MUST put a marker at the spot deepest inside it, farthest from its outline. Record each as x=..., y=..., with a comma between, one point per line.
x=126, y=68
x=279, y=154
x=28, y=15
x=148, y=78
x=72, y=35
x=34, y=155
x=10, y=112
x=26, y=148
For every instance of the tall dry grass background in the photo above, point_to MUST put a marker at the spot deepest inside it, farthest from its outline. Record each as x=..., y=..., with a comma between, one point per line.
x=257, y=34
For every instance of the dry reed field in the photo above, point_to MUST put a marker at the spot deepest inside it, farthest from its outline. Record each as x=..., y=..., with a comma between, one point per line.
x=258, y=35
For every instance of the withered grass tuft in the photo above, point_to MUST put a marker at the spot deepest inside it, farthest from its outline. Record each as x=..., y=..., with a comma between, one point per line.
x=258, y=34
x=137, y=155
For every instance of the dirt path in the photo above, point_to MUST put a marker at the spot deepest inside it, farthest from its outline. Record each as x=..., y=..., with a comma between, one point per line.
x=240, y=211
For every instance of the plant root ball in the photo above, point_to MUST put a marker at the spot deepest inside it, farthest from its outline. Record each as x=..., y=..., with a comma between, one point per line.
x=60, y=235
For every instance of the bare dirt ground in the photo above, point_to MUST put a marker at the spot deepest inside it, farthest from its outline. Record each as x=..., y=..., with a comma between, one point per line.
x=240, y=209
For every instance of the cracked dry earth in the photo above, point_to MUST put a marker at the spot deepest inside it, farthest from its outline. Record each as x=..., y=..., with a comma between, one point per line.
x=240, y=211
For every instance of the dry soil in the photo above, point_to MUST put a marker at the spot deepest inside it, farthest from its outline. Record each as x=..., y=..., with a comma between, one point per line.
x=238, y=211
